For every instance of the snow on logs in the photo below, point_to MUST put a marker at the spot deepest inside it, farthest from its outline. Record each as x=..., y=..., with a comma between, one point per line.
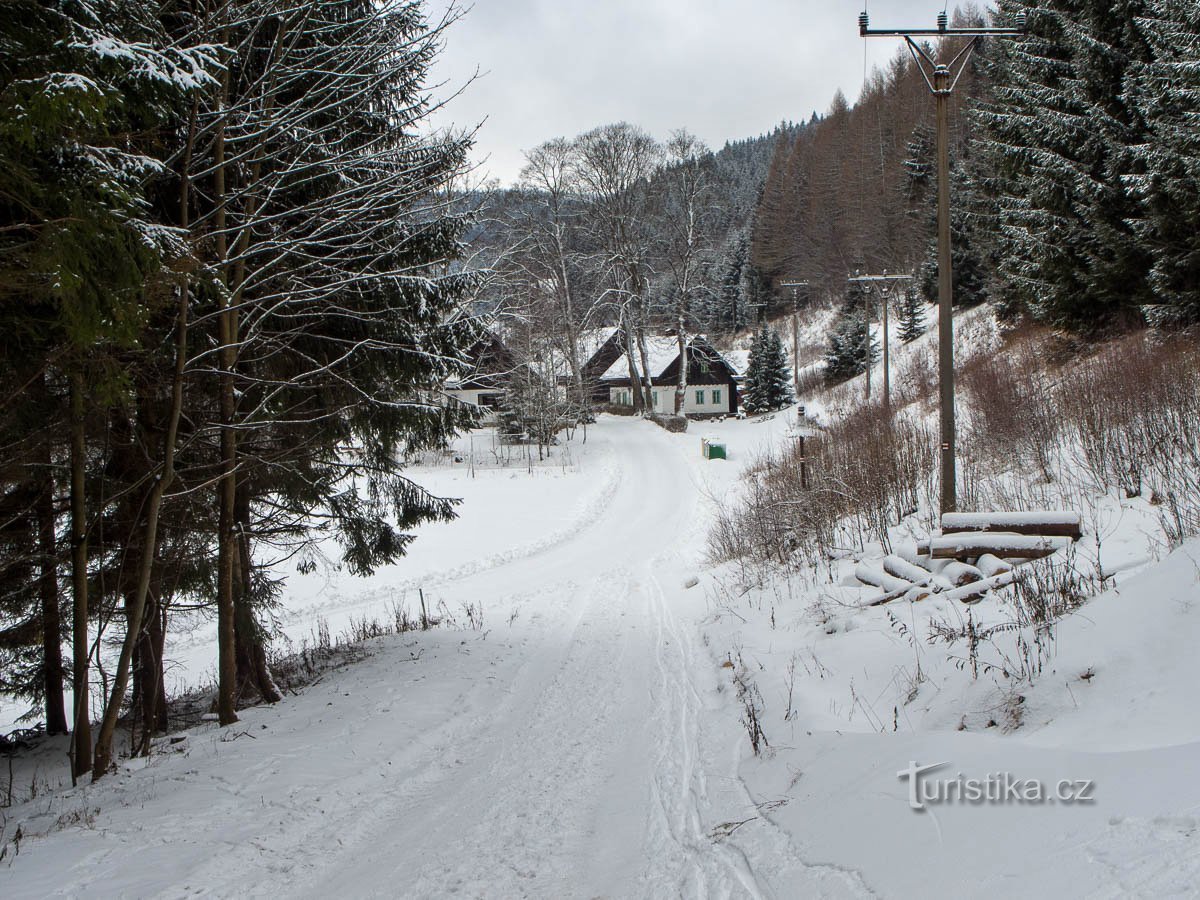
x=900, y=567
x=991, y=565
x=971, y=544
x=1035, y=523
x=899, y=579
x=993, y=542
x=906, y=575
x=974, y=591
x=959, y=573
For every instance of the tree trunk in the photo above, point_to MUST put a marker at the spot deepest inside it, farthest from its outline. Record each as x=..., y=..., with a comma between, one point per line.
x=635, y=381
x=252, y=668
x=112, y=709
x=52, y=662
x=647, y=375
x=149, y=690
x=682, y=386
x=81, y=740
x=227, y=486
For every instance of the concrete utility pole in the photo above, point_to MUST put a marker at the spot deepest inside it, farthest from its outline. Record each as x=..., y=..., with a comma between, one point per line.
x=941, y=79
x=884, y=284
x=795, y=286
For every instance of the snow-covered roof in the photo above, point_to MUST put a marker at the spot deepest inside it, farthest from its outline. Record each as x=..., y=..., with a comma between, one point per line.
x=660, y=353
x=592, y=339
x=739, y=361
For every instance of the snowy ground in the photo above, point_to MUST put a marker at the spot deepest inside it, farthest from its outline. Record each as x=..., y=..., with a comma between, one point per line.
x=586, y=741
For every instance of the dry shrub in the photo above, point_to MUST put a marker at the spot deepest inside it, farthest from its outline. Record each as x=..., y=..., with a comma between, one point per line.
x=1012, y=406
x=1127, y=416
x=864, y=475
x=917, y=378
x=1135, y=409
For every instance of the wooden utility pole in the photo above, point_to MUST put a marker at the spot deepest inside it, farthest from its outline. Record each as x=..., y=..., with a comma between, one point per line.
x=884, y=284
x=941, y=79
x=795, y=286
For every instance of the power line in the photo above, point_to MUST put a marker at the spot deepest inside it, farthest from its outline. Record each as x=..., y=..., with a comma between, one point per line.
x=941, y=79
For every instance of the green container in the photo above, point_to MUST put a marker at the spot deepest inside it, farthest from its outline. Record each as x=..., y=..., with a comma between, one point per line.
x=716, y=451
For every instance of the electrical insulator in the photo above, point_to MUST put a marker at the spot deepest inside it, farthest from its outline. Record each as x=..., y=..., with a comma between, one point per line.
x=863, y=21
x=1021, y=20
x=942, y=21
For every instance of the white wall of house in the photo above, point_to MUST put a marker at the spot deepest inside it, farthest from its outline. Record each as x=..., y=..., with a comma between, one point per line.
x=701, y=399
x=483, y=397
x=707, y=399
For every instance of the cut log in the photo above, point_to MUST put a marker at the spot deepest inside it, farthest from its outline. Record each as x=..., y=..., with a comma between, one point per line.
x=967, y=545
x=959, y=573
x=918, y=593
x=910, y=554
x=974, y=592
x=902, y=568
x=913, y=594
x=1051, y=524
x=876, y=578
x=992, y=565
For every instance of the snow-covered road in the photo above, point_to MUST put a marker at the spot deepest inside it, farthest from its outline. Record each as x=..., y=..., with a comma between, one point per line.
x=560, y=753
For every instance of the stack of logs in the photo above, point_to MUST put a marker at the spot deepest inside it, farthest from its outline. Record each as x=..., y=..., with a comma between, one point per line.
x=974, y=554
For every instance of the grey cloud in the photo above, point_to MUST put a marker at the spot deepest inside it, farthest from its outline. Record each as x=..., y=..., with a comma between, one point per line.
x=724, y=69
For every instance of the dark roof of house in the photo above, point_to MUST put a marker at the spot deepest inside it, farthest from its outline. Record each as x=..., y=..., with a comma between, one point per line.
x=492, y=364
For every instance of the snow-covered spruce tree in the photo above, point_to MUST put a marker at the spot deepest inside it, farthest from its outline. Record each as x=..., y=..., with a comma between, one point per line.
x=911, y=314
x=1165, y=91
x=1060, y=143
x=851, y=345
x=85, y=88
x=968, y=246
x=768, y=378
x=730, y=306
x=532, y=408
x=328, y=299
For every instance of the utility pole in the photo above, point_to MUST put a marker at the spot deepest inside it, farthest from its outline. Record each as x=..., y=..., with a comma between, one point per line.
x=795, y=286
x=884, y=284
x=941, y=79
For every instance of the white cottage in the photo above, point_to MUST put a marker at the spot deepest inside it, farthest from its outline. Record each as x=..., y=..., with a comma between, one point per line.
x=712, y=384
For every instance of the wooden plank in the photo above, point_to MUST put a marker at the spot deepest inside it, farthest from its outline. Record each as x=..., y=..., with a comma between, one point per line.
x=1058, y=523
x=969, y=545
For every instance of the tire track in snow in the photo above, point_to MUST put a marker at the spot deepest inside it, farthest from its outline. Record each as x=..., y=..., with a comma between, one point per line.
x=708, y=867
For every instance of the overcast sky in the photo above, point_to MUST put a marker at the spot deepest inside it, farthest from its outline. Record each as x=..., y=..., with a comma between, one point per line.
x=725, y=69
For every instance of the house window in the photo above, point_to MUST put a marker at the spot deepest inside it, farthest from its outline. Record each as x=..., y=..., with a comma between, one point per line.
x=700, y=398
x=655, y=395
x=716, y=397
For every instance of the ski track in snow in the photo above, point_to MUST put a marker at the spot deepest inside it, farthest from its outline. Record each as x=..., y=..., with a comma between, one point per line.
x=564, y=757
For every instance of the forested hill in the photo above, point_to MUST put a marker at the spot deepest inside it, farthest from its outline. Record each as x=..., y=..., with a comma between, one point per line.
x=857, y=188
x=727, y=187
x=1073, y=172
